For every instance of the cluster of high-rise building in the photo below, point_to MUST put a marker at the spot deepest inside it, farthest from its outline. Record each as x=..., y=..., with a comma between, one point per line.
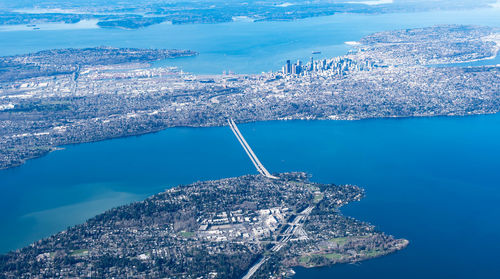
x=298, y=68
x=293, y=69
x=337, y=66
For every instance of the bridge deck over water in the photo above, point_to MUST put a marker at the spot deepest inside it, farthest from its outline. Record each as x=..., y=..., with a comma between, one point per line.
x=258, y=165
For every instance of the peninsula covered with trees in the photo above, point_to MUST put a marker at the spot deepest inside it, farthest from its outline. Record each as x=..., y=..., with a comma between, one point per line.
x=211, y=229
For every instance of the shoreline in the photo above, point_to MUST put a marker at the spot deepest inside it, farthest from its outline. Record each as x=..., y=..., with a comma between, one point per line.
x=51, y=26
x=63, y=147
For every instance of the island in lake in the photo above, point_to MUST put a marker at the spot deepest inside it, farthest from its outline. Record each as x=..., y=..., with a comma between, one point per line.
x=229, y=228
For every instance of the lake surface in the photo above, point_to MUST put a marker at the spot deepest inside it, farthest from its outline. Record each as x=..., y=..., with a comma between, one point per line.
x=433, y=181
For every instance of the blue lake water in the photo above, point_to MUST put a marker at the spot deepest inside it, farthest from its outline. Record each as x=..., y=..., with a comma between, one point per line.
x=434, y=181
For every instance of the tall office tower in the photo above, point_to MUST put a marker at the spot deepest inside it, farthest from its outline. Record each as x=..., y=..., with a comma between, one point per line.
x=312, y=64
x=288, y=67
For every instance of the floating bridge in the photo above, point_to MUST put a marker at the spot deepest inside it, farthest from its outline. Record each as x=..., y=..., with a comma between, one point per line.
x=258, y=165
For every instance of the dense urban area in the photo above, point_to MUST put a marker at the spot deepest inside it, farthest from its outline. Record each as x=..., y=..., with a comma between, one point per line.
x=212, y=229
x=131, y=14
x=387, y=74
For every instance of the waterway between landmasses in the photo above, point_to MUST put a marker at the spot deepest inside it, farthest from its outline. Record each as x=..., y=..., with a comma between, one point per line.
x=243, y=47
x=433, y=181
